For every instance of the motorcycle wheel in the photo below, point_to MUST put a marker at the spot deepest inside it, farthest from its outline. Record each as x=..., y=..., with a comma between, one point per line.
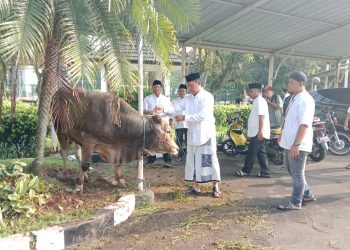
x=277, y=156
x=341, y=148
x=318, y=153
x=278, y=160
x=229, y=148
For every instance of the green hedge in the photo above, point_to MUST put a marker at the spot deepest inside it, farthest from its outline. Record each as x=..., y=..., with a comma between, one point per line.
x=224, y=112
x=17, y=135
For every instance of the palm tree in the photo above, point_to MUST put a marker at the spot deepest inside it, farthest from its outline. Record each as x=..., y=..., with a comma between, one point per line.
x=74, y=36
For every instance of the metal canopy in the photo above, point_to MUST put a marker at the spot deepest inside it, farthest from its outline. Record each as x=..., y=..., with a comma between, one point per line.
x=317, y=29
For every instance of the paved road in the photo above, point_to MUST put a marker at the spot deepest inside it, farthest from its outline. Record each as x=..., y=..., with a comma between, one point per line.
x=323, y=224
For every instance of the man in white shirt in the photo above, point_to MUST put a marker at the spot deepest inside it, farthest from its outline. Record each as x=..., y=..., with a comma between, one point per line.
x=161, y=105
x=258, y=132
x=296, y=139
x=202, y=164
x=346, y=128
x=180, y=127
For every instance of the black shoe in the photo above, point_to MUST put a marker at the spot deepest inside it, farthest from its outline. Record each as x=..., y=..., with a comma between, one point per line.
x=147, y=164
x=167, y=165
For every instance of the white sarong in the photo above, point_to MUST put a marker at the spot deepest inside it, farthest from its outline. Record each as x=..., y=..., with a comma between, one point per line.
x=202, y=163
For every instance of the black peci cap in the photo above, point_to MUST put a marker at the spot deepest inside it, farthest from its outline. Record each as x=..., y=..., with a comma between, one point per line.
x=182, y=86
x=192, y=77
x=157, y=82
x=299, y=76
x=254, y=86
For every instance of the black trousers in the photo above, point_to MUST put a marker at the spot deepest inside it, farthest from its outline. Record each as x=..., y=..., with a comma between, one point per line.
x=152, y=158
x=256, y=149
x=181, y=140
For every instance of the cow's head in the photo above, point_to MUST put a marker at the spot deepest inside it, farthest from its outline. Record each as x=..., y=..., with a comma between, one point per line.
x=163, y=141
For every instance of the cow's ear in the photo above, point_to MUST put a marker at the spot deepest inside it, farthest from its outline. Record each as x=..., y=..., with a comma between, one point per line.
x=157, y=119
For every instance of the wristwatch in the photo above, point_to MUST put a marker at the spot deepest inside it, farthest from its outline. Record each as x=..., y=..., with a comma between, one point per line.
x=296, y=143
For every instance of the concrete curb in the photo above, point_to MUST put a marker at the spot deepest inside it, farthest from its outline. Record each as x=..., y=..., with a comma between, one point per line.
x=60, y=237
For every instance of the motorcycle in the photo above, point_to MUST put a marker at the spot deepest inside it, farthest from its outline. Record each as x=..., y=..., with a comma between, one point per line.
x=273, y=150
x=320, y=140
x=235, y=142
x=339, y=142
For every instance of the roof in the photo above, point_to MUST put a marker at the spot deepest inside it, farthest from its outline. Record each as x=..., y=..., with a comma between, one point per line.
x=148, y=57
x=309, y=28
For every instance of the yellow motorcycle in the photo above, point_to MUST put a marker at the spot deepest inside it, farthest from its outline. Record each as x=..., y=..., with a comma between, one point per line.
x=235, y=142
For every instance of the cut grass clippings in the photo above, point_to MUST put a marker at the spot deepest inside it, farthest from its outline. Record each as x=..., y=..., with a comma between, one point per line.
x=237, y=245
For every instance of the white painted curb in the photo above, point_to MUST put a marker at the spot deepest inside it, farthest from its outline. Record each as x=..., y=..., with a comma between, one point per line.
x=53, y=238
x=16, y=241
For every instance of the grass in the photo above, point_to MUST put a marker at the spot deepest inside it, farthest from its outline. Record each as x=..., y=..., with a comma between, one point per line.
x=24, y=224
x=180, y=196
x=254, y=219
x=238, y=245
x=145, y=209
x=54, y=215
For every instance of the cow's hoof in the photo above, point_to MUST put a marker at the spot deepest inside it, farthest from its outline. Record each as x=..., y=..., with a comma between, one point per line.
x=86, y=177
x=78, y=188
x=122, y=185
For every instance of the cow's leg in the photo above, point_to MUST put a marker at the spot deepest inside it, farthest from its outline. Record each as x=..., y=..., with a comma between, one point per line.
x=119, y=177
x=78, y=156
x=64, y=142
x=86, y=152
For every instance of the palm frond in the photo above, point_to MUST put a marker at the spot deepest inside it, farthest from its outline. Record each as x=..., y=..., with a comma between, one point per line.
x=27, y=29
x=182, y=13
x=3, y=72
x=112, y=38
x=67, y=106
x=5, y=9
x=117, y=6
x=158, y=32
x=75, y=38
x=118, y=70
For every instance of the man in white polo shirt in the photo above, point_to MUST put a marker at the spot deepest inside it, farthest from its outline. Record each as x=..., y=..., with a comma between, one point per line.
x=296, y=140
x=346, y=128
x=258, y=132
x=161, y=105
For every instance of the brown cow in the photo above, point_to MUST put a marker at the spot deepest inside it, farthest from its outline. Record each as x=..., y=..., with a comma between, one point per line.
x=109, y=126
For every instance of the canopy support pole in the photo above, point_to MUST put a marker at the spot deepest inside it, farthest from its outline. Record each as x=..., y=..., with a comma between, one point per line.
x=183, y=64
x=346, y=75
x=271, y=66
x=140, y=103
x=337, y=72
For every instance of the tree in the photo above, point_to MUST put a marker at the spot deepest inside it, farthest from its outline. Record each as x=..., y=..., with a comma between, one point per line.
x=73, y=37
x=222, y=69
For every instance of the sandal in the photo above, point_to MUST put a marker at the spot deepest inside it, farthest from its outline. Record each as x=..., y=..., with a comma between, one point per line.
x=347, y=166
x=216, y=193
x=286, y=206
x=240, y=173
x=309, y=198
x=262, y=175
x=192, y=191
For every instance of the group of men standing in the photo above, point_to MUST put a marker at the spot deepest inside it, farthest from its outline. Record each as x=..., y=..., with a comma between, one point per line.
x=195, y=113
x=296, y=137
